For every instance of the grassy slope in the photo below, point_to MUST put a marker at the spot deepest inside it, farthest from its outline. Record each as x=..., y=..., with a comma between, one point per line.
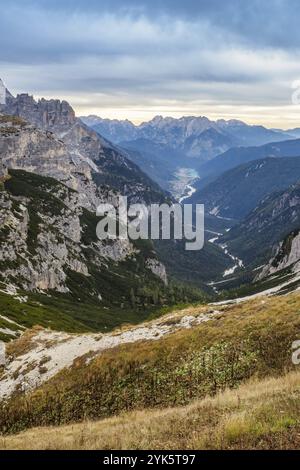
x=258, y=415
x=246, y=340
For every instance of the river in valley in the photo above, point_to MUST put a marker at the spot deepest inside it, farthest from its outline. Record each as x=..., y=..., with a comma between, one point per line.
x=182, y=184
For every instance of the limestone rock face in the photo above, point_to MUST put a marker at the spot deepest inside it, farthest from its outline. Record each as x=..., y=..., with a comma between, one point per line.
x=86, y=146
x=33, y=150
x=287, y=255
x=24, y=146
x=47, y=220
x=58, y=237
x=43, y=237
x=3, y=171
x=52, y=115
x=158, y=269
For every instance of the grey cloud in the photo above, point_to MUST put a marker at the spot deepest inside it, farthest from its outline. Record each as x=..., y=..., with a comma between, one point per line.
x=272, y=23
x=131, y=52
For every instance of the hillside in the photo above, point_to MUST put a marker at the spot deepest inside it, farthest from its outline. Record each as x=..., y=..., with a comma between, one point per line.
x=261, y=414
x=257, y=236
x=177, y=353
x=46, y=138
x=184, y=356
x=49, y=245
x=56, y=119
x=286, y=256
x=238, y=191
x=240, y=155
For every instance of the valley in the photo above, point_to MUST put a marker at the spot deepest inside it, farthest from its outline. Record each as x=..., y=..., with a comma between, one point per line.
x=182, y=185
x=149, y=232
x=110, y=331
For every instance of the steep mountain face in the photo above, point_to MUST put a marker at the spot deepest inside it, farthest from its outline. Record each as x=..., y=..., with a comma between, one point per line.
x=111, y=167
x=62, y=147
x=287, y=256
x=23, y=146
x=72, y=161
x=53, y=115
x=208, y=144
x=238, y=156
x=49, y=244
x=255, y=240
x=197, y=138
x=238, y=191
x=48, y=228
x=84, y=145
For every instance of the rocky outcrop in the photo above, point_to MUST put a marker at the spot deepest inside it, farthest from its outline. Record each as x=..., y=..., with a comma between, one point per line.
x=3, y=171
x=42, y=237
x=86, y=147
x=287, y=255
x=48, y=242
x=45, y=138
x=158, y=269
x=23, y=146
x=52, y=115
x=30, y=149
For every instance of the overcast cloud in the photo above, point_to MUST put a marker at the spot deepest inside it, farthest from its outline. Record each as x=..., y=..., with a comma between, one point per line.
x=128, y=58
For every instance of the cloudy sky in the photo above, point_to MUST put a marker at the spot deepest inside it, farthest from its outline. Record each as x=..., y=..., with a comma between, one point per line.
x=135, y=59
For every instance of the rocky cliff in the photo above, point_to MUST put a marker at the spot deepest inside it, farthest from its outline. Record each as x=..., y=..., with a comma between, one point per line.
x=256, y=238
x=49, y=243
x=287, y=256
x=84, y=145
x=54, y=172
x=53, y=115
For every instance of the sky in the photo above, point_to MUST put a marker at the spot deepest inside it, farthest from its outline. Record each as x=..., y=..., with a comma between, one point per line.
x=136, y=59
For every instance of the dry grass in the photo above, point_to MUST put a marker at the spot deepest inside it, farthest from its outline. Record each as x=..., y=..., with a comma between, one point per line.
x=252, y=339
x=24, y=343
x=259, y=414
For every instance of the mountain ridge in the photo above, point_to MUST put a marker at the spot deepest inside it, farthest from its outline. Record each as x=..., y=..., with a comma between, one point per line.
x=184, y=133
x=237, y=191
x=239, y=155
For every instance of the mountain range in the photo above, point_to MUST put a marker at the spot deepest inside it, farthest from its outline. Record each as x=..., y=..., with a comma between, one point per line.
x=238, y=155
x=236, y=192
x=197, y=137
x=255, y=238
x=232, y=182
x=164, y=145
x=62, y=290
x=54, y=172
x=76, y=167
